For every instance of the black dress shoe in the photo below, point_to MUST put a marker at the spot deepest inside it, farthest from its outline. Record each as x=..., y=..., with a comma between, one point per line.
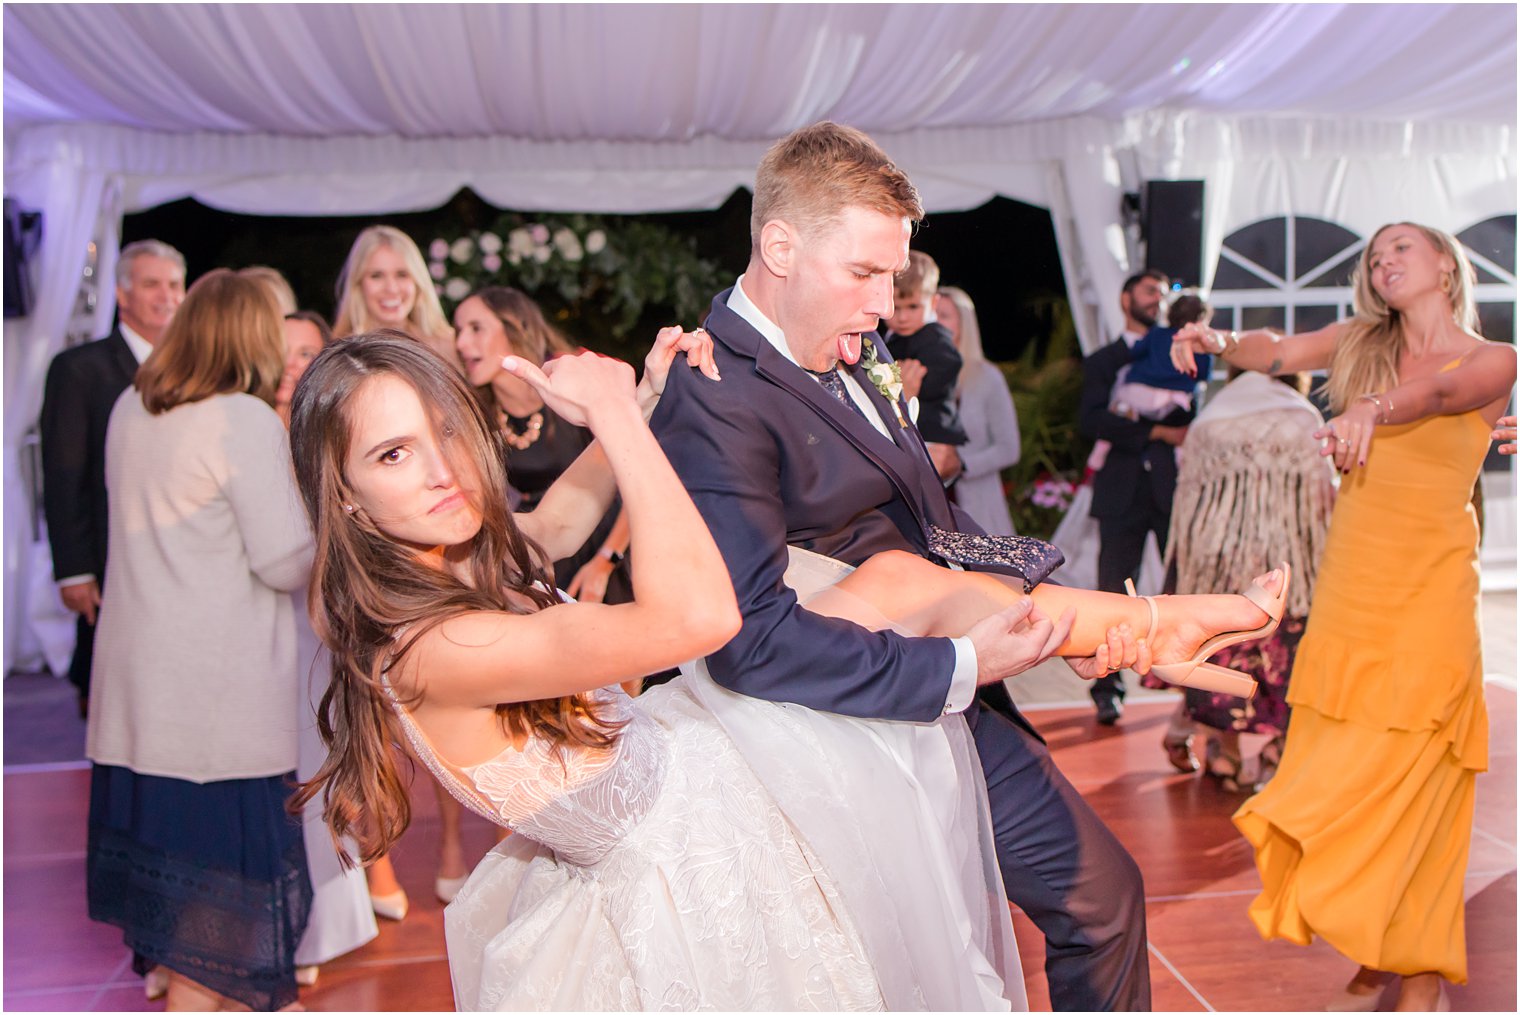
x=1109, y=710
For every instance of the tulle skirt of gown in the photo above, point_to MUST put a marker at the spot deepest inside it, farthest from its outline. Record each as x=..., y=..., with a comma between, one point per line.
x=789, y=860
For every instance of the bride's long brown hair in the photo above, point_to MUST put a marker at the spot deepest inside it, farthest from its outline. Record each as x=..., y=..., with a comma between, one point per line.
x=370, y=599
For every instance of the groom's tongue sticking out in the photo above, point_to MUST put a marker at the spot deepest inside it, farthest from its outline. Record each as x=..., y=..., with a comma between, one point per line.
x=849, y=348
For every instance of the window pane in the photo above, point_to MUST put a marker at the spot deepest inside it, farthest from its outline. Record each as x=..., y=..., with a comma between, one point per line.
x=1314, y=318
x=1263, y=317
x=1336, y=276
x=1315, y=241
x=1498, y=321
x=1230, y=275
x=1265, y=243
x=1494, y=239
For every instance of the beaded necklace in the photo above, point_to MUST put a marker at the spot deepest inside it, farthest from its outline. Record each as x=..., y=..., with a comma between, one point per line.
x=529, y=434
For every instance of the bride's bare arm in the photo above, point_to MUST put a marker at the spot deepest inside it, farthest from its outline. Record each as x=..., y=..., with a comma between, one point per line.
x=575, y=504
x=684, y=604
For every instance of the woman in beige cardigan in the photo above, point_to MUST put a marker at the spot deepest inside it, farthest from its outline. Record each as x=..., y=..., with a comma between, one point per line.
x=194, y=697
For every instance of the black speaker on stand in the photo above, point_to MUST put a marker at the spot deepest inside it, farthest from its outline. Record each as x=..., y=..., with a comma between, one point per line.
x=1171, y=225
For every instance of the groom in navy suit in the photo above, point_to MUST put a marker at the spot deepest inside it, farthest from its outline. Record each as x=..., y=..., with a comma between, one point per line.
x=797, y=445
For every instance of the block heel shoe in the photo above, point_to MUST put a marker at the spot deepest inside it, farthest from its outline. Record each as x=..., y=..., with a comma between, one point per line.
x=1205, y=676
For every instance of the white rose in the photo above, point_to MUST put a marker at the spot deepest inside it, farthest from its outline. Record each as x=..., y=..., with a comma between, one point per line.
x=456, y=288
x=542, y=254
x=519, y=245
x=462, y=250
x=596, y=241
x=568, y=245
x=490, y=243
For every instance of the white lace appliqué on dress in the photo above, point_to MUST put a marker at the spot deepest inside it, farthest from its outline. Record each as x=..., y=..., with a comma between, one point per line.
x=654, y=875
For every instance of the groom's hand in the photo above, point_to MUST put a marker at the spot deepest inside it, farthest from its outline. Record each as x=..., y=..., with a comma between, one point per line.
x=1016, y=639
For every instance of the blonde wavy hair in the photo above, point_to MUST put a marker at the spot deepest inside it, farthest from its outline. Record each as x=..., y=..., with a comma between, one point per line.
x=969, y=339
x=1366, y=357
x=426, y=320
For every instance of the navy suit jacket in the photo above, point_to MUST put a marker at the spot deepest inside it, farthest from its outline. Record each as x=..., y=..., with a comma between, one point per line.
x=1138, y=468
x=771, y=458
x=83, y=384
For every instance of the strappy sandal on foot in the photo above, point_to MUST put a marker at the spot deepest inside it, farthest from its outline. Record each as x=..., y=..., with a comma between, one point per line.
x=1179, y=752
x=1205, y=676
x=1267, y=762
x=1222, y=766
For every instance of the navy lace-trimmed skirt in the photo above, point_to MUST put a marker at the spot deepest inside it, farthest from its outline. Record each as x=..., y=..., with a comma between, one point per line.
x=208, y=880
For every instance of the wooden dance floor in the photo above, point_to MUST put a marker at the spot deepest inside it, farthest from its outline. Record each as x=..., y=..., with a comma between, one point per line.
x=1199, y=878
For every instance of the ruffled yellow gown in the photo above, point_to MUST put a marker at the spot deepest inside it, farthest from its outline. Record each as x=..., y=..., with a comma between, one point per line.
x=1362, y=837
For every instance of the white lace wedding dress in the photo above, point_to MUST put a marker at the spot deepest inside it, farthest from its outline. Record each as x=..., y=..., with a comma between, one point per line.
x=673, y=872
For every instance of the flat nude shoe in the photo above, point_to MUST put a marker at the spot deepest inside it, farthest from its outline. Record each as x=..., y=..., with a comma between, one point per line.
x=1205, y=676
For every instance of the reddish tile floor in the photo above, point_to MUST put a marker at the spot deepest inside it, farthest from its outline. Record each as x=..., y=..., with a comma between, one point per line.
x=1199, y=878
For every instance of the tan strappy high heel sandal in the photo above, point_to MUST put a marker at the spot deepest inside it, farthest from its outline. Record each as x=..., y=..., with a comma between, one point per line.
x=1205, y=676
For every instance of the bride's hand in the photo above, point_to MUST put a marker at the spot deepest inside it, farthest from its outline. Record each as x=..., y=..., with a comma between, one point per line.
x=698, y=347
x=578, y=386
x=1193, y=340
x=1122, y=651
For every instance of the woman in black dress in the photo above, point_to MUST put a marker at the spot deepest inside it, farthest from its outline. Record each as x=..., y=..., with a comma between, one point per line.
x=492, y=324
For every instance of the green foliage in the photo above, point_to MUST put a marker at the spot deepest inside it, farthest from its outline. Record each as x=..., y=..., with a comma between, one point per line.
x=608, y=282
x=1047, y=388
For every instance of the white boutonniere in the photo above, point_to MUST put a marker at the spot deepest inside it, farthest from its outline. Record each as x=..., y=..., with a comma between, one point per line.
x=886, y=377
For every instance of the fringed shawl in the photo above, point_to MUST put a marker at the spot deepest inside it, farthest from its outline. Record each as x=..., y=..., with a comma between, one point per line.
x=1252, y=491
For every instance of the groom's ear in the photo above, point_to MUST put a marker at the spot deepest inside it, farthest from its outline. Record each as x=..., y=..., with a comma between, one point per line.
x=778, y=247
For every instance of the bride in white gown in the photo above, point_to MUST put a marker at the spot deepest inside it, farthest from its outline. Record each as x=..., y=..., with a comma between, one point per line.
x=653, y=867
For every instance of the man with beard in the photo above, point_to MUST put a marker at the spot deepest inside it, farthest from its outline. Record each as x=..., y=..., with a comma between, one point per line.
x=1132, y=490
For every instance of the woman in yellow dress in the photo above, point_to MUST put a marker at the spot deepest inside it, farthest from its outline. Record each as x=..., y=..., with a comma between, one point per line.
x=1362, y=838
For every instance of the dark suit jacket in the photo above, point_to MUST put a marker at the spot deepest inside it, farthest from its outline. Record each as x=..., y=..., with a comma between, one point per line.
x=938, y=418
x=83, y=384
x=771, y=458
x=1138, y=469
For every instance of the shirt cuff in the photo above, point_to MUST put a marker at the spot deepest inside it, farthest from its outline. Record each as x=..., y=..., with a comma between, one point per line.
x=78, y=579
x=963, y=680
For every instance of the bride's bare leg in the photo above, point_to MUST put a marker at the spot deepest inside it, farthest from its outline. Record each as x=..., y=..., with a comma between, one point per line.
x=903, y=590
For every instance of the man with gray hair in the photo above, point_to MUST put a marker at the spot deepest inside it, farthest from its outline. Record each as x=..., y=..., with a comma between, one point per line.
x=83, y=384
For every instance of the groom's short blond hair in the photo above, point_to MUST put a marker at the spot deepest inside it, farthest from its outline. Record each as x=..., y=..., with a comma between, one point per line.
x=812, y=175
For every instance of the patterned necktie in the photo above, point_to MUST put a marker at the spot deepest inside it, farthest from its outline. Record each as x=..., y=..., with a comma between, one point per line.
x=834, y=385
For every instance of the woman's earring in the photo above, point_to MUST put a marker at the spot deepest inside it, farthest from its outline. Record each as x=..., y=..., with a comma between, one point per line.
x=349, y=508
x=1446, y=281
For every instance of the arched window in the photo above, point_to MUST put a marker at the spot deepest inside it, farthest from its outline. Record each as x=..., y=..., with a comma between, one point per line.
x=1294, y=273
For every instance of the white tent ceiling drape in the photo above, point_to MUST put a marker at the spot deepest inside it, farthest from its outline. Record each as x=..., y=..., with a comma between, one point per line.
x=1356, y=112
